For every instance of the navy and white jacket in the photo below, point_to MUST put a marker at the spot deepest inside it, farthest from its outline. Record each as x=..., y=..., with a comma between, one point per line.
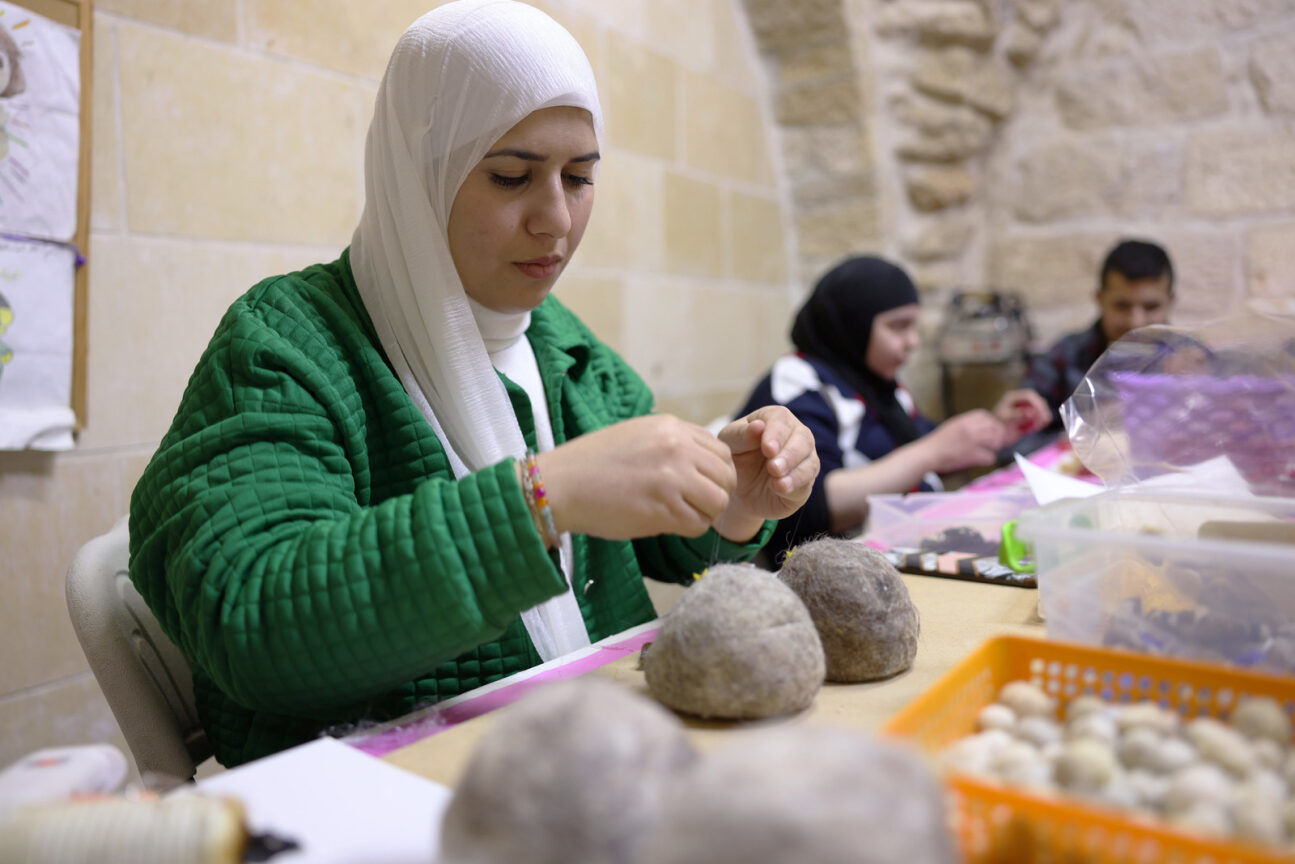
x=846, y=434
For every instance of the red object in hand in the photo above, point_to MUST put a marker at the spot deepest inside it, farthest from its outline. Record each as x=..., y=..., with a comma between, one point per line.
x=1025, y=416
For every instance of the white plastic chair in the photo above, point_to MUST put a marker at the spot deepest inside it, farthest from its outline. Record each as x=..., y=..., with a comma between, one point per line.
x=147, y=681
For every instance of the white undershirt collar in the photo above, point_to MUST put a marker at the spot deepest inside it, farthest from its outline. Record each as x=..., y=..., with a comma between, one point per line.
x=499, y=330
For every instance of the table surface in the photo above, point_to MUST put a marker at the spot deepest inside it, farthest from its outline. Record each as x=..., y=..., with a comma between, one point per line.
x=956, y=617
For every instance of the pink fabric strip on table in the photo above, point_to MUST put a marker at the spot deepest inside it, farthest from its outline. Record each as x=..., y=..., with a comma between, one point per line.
x=1010, y=475
x=440, y=718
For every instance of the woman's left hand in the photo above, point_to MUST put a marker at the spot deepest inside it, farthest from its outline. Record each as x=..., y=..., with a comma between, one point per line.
x=776, y=464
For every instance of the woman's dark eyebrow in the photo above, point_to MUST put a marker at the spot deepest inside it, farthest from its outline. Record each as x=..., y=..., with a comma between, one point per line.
x=528, y=156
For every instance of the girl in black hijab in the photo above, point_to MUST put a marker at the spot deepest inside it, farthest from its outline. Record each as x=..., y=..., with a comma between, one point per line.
x=852, y=335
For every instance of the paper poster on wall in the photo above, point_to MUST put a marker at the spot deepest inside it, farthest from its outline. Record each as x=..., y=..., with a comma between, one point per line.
x=40, y=92
x=36, y=345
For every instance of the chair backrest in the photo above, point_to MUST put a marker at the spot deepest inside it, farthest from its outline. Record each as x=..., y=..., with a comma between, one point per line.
x=146, y=680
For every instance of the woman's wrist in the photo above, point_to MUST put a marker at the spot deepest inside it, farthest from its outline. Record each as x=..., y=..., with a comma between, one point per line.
x=928, y=458
x=738, y=527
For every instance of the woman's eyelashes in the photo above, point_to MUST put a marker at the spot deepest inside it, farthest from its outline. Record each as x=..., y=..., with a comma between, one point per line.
x=508, y=181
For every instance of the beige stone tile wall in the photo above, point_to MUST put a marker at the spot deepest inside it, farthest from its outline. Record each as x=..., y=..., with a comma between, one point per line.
x=1161, y=119
x=228, y=146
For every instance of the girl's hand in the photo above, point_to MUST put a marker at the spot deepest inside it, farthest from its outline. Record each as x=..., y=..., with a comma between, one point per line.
x=971, y=439
x=1022, y=412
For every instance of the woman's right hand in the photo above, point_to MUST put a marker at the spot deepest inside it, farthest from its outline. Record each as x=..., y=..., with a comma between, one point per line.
x=971, y=439
x=638, y=478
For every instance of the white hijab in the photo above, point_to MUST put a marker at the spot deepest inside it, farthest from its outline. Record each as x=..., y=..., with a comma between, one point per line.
x=460, y=77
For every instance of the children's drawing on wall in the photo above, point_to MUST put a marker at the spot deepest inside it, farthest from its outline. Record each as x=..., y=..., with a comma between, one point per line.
x=36, y=345
x=40, y=102
x=40, y=86
x=6, y=316
x=12, y=82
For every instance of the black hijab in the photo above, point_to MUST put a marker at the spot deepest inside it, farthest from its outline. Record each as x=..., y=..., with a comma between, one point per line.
x=835, y=325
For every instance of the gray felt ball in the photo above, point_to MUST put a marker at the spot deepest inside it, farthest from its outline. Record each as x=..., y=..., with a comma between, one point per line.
x=860, y=605
x=804, y=793
x=576, y=771
x=738, y=645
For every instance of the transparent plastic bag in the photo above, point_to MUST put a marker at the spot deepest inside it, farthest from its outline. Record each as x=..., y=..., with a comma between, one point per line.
x=1164, y=399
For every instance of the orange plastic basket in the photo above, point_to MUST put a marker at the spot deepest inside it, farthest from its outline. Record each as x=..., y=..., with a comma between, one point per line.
x=998, y=824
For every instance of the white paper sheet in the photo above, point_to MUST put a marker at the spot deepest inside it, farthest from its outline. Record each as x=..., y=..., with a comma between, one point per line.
x=36, y=282
x=39, y=126
x=340, y=805
x=1049, y=486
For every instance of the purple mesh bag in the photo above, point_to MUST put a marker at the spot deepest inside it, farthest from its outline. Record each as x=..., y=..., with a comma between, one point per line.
x=1173, y=421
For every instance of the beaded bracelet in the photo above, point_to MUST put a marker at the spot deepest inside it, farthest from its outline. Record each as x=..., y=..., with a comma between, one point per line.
x=537, y=498
x=528, y=490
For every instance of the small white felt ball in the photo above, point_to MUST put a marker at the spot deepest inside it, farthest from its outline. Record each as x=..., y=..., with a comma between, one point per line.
x=1098, y=726
x=1085, y=766
x=1288, y=769
x=1149, y=715
x=1138, y=746
x=1258, y=815
x=1267, y=782
x=1262, y=717
x=1039, y=731
x=1027, y=700
x=1198, y=784
x=1150, y=788
x=1172, y=754
x=996, y=716
x=1020, y=764
x=1086, y=704
x=1268, y=753
x=975, y=753
x=1221, y=744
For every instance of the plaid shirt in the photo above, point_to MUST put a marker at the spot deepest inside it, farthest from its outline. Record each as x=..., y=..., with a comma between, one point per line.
x=1055, y=374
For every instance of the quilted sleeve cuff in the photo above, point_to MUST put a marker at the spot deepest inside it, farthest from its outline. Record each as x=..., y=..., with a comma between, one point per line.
x=491, y=533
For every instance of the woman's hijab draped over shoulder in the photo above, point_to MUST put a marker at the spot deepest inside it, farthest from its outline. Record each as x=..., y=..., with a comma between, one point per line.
x=461, y=76
x=835, y=325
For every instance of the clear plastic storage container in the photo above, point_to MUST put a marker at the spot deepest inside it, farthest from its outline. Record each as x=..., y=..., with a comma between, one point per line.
x=1173, y=573
x=975, y=519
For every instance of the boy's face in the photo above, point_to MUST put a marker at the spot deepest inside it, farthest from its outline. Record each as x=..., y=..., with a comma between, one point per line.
x=1129, y=305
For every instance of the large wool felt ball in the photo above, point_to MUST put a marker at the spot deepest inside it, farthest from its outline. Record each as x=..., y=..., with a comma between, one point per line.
x=804, y=793
x=860, y=606
x=576, y=771
x=738, y=645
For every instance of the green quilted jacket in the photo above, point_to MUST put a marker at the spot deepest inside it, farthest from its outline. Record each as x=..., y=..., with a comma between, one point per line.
x=301, y=537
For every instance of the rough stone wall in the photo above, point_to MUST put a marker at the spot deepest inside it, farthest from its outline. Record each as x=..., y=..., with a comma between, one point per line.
x=821, y=93
x=1009, y=143
x=1170, y=119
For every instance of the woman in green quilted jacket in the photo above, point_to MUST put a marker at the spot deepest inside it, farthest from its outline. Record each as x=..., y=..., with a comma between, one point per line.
x=411, y=471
